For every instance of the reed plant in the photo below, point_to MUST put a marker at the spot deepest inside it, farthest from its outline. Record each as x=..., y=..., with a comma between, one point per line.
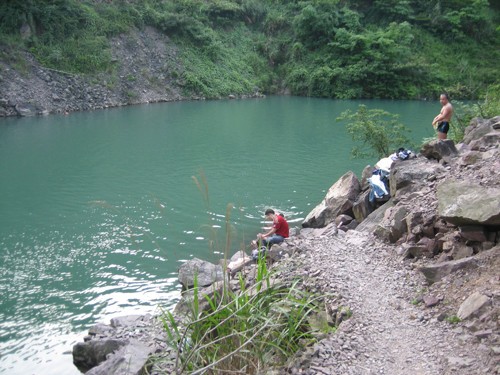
x=241, y=329
x=242, y=332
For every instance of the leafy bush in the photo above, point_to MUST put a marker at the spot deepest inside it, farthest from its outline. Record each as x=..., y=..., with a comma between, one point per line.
x=379, y=132
x=230, y=67
x=487, y=108
x=85, y=55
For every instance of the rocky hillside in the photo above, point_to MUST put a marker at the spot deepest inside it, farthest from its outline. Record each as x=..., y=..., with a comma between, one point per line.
x=412, y=284
x=148, y=70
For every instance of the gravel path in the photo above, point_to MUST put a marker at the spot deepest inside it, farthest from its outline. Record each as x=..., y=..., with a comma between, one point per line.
x=386, y=334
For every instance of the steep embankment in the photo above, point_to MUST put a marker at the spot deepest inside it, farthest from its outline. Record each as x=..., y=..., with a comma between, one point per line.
x=148, y=70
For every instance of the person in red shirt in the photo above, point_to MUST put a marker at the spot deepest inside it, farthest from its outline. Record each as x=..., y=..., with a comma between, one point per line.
x=277, y=233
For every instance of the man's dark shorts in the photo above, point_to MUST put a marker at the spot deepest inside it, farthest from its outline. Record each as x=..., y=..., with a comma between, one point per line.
x=443, y=127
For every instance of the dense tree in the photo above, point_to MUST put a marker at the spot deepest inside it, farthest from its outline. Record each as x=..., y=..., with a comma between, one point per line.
x=328, y=48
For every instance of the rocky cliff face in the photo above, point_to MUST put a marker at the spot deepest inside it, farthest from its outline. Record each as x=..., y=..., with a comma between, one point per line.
x=147, y=70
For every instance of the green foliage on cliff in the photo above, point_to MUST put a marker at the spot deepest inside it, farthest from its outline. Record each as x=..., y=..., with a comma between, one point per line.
x=322, y=48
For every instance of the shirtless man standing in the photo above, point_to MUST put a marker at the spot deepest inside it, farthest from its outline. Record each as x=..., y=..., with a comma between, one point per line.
x=442, y=121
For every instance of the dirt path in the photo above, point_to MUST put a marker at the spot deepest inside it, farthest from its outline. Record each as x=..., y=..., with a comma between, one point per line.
x=386, y=334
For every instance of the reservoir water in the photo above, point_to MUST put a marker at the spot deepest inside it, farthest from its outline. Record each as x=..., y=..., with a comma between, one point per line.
x=99, y=209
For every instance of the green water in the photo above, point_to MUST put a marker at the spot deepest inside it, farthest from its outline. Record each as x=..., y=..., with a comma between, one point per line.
x=99, y=209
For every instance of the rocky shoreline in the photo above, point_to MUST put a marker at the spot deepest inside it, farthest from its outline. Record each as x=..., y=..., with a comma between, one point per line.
x=148, y=71
x=418, y=273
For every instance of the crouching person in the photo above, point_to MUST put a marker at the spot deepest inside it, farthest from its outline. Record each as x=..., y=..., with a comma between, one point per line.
x=275, y=235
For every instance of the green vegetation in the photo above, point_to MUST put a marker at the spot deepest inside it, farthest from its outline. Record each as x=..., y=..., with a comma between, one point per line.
x=379, y=132
x=244, y=332
x=400, y=49
x=488, y=107
x=453, y=319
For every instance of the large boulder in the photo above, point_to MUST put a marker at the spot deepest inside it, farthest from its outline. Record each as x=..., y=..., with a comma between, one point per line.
x=193, y=300
x=121, y=348
x=393, y=226
x=26, y=109
x=406, y=176
x=87, y=355
x=131, y=359
x=465, y=203
x=486, y=142
x=373, y=220
x=479, y=127
x=206, y=273
x=363, y=207
x=439, y=149
x=473, y=305
x=437, y=271
x=365, y=175
x=338, y=200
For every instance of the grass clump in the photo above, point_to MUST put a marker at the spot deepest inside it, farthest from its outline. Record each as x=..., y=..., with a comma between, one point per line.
x=453, y=319
x=243, y=331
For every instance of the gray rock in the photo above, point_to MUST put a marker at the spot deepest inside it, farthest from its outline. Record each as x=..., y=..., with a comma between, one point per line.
x=465, y=203
x=362, y=207
x=460, y=251
x=473, y=305
x=365, y=175
x=415, y=251
x=330, y=230
x=101, y=330
x=276, y=252
x=238, y=255
x=130, y=320
x=393, y=226
x=26, y=109
x=470, y=158
x=375, y=218
x=131, y=359
x=437, y=271
x=439, y=149
x=487, y=141
x=207, y=273
x=479, y=127
x=473, y=233
x=185, y=307
x=338, y=200
x=483, y=334
x=406, y=176
x=89, y=354
x=343, y=220
x=430, y=300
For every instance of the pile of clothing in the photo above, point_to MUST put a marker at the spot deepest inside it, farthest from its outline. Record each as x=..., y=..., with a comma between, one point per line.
x=379, y=181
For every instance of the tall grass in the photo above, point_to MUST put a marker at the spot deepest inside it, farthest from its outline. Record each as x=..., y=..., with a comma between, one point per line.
x=244, y=331
x=241, y=330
